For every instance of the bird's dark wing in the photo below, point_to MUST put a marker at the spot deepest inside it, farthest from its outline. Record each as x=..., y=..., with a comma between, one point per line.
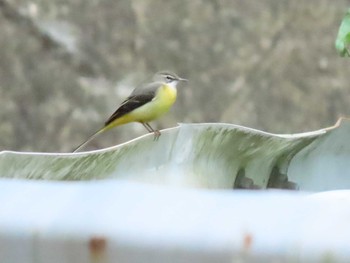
x=131, y=103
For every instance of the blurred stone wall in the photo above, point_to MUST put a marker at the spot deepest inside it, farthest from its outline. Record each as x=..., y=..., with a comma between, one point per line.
x=66, y=65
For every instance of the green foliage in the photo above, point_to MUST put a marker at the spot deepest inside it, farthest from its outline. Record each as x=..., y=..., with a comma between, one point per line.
x=342, y=43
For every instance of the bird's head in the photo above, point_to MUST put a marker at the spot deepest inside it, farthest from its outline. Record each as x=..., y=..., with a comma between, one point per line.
x=168, y=77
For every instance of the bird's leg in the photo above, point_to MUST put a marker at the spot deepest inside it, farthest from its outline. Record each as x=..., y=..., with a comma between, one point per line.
x=149, y=130
x=156, y=132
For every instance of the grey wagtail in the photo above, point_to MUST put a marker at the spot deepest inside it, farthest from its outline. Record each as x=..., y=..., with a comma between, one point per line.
x=146, y=103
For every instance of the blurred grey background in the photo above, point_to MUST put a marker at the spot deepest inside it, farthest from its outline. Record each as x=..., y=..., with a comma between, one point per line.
x=66, y=65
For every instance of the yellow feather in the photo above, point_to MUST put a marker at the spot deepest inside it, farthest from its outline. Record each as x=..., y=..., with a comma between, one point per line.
x=161, y=103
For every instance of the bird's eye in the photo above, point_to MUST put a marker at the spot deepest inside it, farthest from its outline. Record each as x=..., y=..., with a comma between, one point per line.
x=169, y=78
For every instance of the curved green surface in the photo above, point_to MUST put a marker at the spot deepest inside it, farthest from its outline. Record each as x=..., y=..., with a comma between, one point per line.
x=220, y=156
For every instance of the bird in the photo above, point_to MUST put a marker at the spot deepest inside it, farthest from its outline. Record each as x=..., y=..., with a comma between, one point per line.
x=145, y=103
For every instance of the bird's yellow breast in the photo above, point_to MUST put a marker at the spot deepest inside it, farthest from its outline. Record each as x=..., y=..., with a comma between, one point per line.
x=166, y=95
x=161, y=103
x=165, y=98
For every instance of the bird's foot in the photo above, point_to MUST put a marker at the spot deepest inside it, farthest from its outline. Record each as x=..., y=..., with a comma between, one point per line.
x=156, y=135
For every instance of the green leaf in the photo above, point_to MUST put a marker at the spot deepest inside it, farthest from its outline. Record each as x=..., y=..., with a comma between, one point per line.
x=210, y=156
x=342, y=43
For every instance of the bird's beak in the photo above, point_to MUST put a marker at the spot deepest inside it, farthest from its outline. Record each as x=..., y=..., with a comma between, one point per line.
x=181, y=79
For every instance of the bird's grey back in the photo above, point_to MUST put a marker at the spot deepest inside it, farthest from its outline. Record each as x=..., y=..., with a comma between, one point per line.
x=150, y=88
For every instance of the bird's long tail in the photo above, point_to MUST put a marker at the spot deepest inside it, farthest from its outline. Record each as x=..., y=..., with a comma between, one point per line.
x=93, y=136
